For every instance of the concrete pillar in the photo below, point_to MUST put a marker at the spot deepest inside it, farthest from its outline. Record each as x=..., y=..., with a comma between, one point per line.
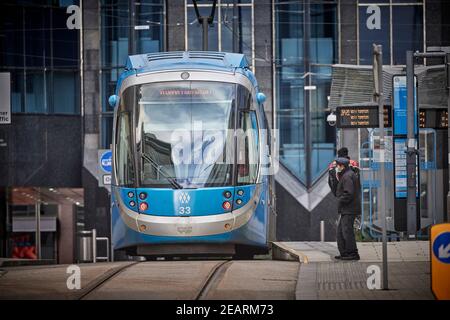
x=66, y=233
x=96, y=200
x=433, y=12
x=175, y=31
x=348, y=31
x=263, y=51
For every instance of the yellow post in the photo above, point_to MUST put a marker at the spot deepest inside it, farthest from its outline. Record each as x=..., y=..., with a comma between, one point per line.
x=440, y=260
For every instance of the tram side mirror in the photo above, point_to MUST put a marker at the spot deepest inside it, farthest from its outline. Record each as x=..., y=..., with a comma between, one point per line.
x=113, y=100
x=261, y=97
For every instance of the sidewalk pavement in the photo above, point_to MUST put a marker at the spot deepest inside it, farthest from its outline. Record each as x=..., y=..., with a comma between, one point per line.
x=13, y=262
x=322, y=277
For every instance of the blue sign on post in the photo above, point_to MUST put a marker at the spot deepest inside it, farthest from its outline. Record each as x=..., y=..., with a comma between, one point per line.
x=106, y=161
x=400, y=116
x=400, y=99
x=104, y=167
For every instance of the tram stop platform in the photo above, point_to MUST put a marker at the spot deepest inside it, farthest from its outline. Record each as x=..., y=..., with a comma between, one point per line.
x=321, y=277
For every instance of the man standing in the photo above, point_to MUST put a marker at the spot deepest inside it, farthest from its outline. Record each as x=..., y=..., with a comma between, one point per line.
x=348, y=194
x=332, y=174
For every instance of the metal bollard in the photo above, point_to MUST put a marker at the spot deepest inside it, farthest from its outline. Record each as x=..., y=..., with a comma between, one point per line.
x=94, y=245
x=87, y=246
x=322, y=231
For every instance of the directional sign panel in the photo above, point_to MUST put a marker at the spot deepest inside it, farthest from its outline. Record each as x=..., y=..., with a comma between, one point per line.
x=106, y=160
x=440, y=261
x=104, y=167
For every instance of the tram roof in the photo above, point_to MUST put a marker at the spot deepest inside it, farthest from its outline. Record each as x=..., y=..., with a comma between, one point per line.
x=199, y=60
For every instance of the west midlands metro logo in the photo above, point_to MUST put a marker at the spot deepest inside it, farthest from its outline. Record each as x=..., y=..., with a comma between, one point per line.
x=441, y=247
x=184, y=197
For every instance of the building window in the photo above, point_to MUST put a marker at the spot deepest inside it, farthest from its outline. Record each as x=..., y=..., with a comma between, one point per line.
x=395, y=24
x=220, y=34
x=305, y=49
x=42, y=55
x=147, y=29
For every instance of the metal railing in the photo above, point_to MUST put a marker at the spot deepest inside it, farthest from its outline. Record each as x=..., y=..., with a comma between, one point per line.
x=87, y=246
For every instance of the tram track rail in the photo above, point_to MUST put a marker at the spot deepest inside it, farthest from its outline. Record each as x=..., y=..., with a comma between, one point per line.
x=210, y=283
x=212, y=280
x=107, y=276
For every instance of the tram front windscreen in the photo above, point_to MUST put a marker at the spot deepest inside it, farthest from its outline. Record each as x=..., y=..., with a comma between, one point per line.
x=185, y=134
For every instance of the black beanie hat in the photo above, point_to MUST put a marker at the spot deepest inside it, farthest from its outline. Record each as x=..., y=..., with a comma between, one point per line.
x=342, y=152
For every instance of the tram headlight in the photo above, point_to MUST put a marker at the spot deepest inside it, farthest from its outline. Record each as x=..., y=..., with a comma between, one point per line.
x=143, y=206
x=226, y=205
x=227, y=194
x=142, y=196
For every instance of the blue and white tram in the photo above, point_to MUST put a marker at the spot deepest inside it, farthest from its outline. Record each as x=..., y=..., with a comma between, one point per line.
x=190, y=145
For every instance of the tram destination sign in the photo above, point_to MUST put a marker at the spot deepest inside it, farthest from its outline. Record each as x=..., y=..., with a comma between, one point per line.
x=361, y=116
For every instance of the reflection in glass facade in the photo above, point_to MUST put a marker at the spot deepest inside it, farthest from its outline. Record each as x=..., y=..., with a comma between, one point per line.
x=42, y=55
x=116, y=28
x=220, y=34
x=305, y=49
x=397, y=25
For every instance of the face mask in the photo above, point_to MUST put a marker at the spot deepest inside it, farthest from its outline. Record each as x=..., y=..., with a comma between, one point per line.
x=338, y=169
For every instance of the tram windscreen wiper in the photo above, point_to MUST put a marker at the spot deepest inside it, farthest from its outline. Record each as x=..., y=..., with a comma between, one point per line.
x=172, y=181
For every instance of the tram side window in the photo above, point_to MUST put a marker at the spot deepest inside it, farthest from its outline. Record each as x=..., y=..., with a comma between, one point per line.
x=248, y=149
x=124, y=161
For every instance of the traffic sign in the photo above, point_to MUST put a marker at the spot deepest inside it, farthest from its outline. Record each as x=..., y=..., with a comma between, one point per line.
x=106, y=161
x=107, y=179
x=440, y=260
x=104, y=168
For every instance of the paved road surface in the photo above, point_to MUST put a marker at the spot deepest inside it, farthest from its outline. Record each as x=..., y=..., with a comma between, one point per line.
x=258, y=279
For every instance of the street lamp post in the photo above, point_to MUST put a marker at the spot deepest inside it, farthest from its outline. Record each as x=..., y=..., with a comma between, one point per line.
x=411, y=152
x=378, y=95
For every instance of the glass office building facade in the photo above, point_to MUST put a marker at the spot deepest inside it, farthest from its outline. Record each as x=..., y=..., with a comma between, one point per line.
x=146, y=31
x=220, y=36
x=42, y=55
x=306, y=45
x=398, y=25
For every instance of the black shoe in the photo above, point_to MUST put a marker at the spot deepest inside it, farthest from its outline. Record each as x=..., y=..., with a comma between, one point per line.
x=338, y=257
x=351, y=257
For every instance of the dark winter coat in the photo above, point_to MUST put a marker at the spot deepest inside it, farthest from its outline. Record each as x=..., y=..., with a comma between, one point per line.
x=348, y=193
x=332, y=179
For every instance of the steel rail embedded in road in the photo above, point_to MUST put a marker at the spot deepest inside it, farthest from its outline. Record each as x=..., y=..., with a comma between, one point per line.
x=212, y=280
x=108, y=275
